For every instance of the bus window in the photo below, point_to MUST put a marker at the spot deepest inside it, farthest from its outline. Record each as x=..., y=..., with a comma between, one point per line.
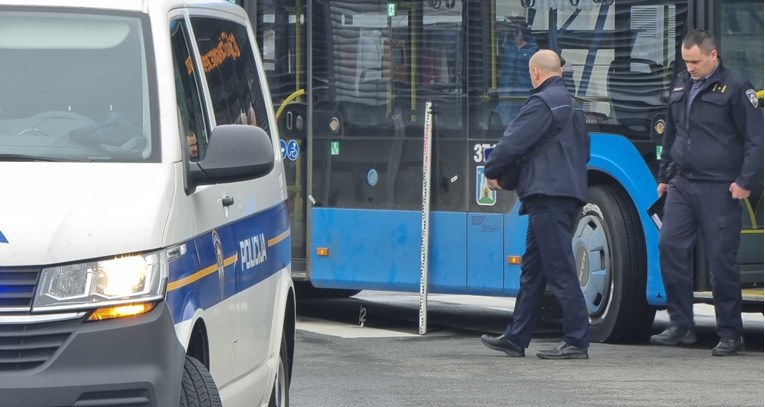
x=740, y=39
x=377, y=70
x=739, y=32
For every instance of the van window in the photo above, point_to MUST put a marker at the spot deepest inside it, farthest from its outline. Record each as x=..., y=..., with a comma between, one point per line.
x=75, y=87
x=232, y=76
x=193, y=130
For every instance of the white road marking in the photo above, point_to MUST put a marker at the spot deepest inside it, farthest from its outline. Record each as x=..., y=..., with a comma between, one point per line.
x=342, y=330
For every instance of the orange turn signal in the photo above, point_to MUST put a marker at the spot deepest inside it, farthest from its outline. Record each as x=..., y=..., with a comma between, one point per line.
x=120, y=311
x=515, y=260
x=322, y=251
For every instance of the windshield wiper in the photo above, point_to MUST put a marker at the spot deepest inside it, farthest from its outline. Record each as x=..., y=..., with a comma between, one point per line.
x=27, y=157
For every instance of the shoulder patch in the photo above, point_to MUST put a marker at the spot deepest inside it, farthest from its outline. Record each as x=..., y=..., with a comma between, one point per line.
x=752, y=95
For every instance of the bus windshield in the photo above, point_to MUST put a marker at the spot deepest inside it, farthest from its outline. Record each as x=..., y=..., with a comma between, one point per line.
x=377, y=66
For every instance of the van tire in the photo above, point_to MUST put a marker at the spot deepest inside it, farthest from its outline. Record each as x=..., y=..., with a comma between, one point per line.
x=280, y=394
x=615, y=288
x=198, y=388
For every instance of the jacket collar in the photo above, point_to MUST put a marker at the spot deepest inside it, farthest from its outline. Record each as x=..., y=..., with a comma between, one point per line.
x=714, y=77
x=551, y=81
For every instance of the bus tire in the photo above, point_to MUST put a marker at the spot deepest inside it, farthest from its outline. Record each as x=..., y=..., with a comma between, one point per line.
x=280, y=394
x=198, y=388
x=610, y=258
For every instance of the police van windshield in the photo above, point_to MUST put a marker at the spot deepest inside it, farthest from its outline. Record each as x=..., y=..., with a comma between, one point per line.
x=75, y=87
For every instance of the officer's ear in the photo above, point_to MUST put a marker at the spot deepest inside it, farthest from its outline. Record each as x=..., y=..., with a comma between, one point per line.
x=534, y=75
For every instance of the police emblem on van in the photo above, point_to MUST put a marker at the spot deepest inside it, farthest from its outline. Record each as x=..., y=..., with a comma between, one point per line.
x=218, y=247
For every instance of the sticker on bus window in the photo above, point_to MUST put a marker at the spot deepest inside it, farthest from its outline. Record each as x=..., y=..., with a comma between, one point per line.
x=293, y=150
x=483, y=194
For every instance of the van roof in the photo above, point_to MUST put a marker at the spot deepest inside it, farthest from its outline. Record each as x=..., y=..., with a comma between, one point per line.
x=132, y=5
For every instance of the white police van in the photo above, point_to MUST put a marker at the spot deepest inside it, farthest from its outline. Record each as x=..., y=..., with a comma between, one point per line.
x=144, y=233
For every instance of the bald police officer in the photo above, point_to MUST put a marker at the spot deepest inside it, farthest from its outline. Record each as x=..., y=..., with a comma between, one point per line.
x=714, y=142
x=552, y=188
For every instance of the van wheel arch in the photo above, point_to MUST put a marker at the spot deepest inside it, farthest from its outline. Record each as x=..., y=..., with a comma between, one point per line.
x=198, y=346
x=288, y=332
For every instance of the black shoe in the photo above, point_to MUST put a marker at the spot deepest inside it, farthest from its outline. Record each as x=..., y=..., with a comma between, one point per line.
x=674, y=336
x=564, y=351
x=503, y=344
x=728, y=347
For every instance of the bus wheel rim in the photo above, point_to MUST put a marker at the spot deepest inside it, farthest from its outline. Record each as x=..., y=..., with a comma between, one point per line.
x=593, y=263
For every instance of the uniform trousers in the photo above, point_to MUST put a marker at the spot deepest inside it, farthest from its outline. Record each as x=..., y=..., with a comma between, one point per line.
x=549, y=259
x=706, y=207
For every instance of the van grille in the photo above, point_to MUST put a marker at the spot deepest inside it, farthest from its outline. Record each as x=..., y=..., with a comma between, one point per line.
x=28, y=345
x=26, y=340
x=17, y=288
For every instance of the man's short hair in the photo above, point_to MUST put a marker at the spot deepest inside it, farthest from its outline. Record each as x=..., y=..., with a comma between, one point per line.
x=703, y=39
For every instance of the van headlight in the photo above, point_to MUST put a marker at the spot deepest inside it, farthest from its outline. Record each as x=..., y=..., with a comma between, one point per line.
x=119, y=280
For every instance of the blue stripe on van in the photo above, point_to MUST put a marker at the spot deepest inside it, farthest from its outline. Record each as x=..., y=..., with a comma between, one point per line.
x=228, y=260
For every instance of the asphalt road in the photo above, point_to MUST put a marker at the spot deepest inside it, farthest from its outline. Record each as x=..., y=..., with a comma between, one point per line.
x=339, y=362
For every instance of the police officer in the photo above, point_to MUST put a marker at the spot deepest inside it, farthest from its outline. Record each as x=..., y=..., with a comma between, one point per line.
x=712, y=151
x=552, y=187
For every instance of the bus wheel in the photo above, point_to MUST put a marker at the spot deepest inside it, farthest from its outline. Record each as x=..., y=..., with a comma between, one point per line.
x=198, y=387
x=610, y=261
x=280, y=395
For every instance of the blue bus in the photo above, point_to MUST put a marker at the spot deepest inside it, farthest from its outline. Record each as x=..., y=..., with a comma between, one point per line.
x=350, y=79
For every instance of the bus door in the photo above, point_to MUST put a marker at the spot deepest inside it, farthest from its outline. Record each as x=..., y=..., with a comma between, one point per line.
x=281, y=37
x=738, y=27
x=375, y=65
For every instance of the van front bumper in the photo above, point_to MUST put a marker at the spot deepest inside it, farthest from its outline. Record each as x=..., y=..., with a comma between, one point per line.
x=134, y=361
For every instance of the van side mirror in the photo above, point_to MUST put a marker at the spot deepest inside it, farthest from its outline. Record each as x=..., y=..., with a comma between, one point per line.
x=234, y=153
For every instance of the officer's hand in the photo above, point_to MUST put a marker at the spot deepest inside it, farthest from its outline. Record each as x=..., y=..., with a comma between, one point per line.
x=662, y=188
x=737, y=192
x=493, y=184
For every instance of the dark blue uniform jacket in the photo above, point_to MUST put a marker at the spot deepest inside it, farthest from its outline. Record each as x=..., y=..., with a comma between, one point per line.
x=720, y=137
x=561, y=170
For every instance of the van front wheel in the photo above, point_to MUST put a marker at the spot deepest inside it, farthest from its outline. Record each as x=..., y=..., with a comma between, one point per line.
x=198, y=388
x=280, y=395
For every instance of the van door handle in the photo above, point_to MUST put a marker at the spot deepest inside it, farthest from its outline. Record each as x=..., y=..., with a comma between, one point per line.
x=227, y=201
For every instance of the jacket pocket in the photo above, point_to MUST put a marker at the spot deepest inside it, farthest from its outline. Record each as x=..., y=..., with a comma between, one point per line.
x=712, y=108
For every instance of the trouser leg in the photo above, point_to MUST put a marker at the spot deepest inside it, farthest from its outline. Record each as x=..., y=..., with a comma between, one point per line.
x=530, y=294
x=676, y=241
x=555, y=227
x=551, y=219
x=720, y=220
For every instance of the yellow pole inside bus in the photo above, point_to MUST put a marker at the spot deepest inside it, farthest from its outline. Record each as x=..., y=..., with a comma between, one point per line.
x=298, y=49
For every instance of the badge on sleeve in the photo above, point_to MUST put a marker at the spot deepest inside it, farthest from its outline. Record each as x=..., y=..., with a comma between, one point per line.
x=752, y=95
